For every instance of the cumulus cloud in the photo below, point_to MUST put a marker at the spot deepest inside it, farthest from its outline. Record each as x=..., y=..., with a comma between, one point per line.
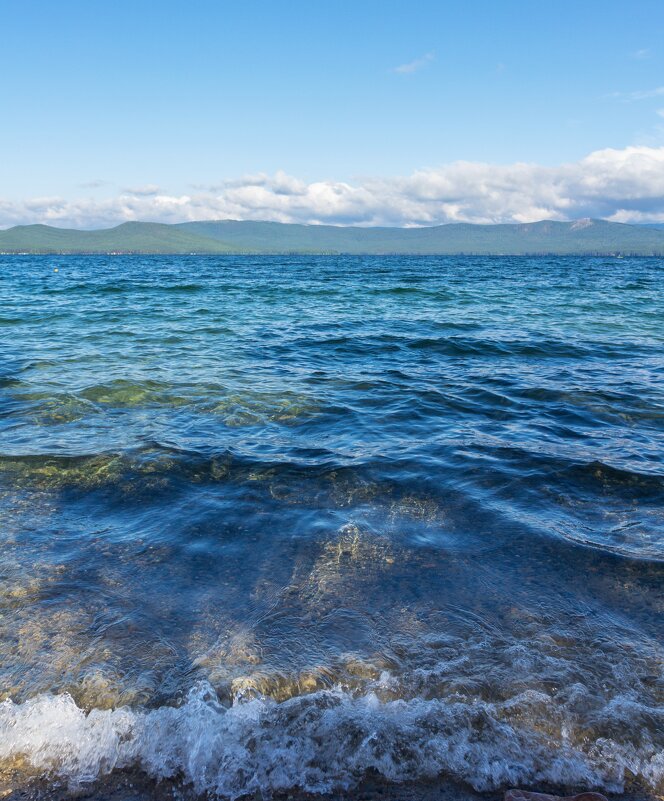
x=415, y=65
x=623, y=185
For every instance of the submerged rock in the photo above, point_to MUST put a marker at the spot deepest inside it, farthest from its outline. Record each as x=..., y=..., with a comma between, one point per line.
x=525, y=795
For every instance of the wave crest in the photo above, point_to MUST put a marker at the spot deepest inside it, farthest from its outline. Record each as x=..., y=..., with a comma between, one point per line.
x=321, y=742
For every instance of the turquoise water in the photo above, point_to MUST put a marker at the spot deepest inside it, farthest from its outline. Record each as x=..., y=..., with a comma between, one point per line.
x=283, y=523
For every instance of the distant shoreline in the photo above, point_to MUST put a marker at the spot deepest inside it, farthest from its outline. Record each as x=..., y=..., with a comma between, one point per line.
x=580, y=238
x=249, y=254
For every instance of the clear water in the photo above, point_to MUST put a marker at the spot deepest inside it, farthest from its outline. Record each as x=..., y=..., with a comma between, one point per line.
x=280, y=523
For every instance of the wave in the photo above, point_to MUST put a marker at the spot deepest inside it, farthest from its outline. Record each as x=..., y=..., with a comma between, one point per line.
x=611, y=506
x=329, y=740
x=455, y=346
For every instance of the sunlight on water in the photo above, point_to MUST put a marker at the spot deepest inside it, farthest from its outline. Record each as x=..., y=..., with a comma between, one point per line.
x=282, y=524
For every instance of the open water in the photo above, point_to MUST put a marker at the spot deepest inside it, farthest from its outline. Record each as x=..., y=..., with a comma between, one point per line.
x=278, y=524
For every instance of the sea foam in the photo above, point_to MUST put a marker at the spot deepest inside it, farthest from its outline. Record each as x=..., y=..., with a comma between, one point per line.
x=319, y=742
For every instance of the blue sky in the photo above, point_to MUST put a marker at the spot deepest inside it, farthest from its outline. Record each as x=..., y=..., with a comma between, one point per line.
x=179, y=99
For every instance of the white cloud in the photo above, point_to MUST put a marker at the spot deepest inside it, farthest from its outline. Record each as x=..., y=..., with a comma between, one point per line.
x=415, y=65
x=623, y=185
x=639, y=94
x=642, y=54
x=146, y=190
x=96, y=184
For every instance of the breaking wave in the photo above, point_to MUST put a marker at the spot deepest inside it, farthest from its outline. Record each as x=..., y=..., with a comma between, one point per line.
x=330, y=739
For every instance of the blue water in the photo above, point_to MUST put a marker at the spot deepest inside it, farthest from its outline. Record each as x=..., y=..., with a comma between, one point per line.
x=283, y=523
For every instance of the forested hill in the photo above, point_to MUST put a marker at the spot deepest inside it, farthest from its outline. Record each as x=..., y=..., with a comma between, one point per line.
x=582, y=237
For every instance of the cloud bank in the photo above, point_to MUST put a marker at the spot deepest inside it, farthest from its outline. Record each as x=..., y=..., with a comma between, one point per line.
x=622, y=185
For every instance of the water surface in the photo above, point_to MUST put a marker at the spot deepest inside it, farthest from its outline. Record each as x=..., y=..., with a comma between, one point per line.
x=283, y=523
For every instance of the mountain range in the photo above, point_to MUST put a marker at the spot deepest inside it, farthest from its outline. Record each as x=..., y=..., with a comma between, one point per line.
x=581, y=237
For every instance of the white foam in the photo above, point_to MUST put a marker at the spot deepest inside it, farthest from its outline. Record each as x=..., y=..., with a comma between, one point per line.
x=320, y=742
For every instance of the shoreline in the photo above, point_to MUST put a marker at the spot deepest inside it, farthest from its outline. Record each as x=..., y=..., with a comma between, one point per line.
x=135, y=785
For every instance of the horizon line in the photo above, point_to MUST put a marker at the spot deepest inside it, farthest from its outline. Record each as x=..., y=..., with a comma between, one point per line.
x=335, y=225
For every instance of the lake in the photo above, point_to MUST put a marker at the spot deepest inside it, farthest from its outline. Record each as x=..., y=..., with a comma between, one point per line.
x=285, y=523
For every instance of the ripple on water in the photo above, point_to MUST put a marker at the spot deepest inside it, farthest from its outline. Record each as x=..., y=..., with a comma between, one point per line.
x=276, y=524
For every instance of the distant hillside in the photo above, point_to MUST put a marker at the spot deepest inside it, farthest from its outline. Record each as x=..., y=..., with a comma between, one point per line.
x=131, y=237
x=580, y=237
x=583, y=237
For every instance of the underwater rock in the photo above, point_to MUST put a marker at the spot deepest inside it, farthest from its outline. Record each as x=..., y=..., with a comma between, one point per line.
x=525, y=795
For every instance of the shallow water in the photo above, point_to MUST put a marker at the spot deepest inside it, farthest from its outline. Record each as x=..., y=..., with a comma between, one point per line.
x=283, y=523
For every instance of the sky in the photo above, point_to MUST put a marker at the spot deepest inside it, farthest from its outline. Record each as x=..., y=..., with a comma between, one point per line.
x=365, y=112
